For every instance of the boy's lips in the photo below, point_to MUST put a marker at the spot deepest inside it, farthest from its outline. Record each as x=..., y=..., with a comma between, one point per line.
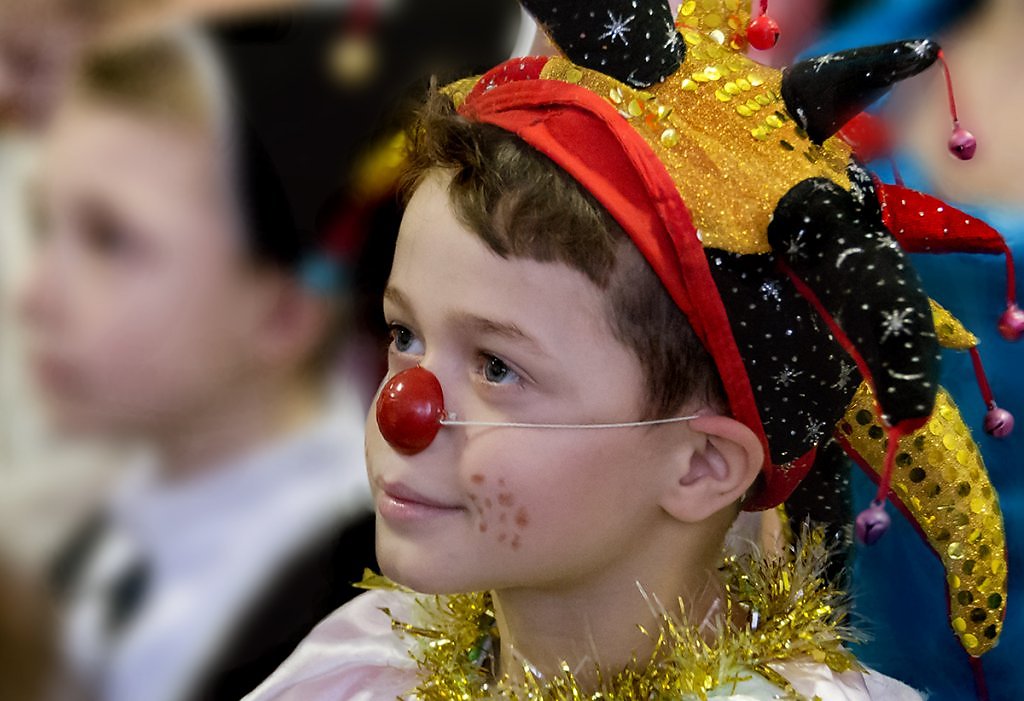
x=399, y=502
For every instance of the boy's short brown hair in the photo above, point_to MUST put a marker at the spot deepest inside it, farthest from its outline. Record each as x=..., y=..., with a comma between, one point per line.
x=522, y=205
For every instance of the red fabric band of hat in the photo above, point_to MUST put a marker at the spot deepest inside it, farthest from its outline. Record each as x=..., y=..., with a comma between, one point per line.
x=585, y=136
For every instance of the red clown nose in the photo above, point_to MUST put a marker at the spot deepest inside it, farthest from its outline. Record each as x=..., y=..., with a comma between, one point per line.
x=409, y=410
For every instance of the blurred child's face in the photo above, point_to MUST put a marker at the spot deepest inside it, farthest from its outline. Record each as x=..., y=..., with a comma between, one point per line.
x=510, y=340
x=38, y=41
x=139, y=299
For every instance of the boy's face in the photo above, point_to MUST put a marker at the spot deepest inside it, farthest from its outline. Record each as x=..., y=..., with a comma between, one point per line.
x=38, y=42
x=138, y=300
x=522, y=341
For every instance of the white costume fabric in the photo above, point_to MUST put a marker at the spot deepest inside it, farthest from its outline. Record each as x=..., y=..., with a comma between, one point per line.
x=355, y=655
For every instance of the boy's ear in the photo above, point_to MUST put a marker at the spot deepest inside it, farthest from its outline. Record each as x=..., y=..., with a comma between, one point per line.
x=724, y=459
x=293, y=323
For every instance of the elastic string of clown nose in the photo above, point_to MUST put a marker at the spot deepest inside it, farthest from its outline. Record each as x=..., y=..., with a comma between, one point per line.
x=410, y=412
x=451, y=421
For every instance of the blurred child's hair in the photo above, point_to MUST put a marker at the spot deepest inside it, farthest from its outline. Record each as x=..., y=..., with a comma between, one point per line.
x=154, y=76
x=522, y=205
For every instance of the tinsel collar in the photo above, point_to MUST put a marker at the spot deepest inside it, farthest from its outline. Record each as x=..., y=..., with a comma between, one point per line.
x=792, y=615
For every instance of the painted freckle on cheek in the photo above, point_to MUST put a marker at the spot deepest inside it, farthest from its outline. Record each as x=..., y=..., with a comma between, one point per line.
x=505, y=499
x=522, y=518
x=477, y=479
x=515, y=543
x=483, y=526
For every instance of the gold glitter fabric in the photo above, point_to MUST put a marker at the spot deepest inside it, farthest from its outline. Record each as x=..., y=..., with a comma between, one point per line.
x=721, y=129
x=951, y=333
x=725, y=21
x=377, y=171
x=718, y=125
x=460, y=88
x=940, y=479
x=792, y=614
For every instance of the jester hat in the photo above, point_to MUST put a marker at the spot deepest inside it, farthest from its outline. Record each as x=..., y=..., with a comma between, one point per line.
x=786, y=255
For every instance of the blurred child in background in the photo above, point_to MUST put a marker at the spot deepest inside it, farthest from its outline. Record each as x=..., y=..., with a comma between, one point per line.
x=40, y=41
x=40, y=44
x=156, y=312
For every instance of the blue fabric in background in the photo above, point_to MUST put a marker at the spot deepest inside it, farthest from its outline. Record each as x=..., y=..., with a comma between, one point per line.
x=881, y=21
x=899, y=585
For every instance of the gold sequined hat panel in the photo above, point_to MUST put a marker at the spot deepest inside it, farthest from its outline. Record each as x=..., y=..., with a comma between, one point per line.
x=940, y=479
x=720, y=128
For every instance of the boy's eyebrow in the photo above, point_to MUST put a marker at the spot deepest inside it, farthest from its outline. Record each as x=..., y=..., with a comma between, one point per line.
x=505, y=330
x=395, y=296
x=478, y=324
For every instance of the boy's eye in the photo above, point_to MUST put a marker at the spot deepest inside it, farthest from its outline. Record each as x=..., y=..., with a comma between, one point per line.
x=105, y=236
x=405, y=341
x=496, y=371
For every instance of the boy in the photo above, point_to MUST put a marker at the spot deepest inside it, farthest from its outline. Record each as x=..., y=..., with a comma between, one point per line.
x=561, y=531
x=548, y=279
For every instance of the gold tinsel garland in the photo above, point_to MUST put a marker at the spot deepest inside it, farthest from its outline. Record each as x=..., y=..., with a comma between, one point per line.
x=792, y=614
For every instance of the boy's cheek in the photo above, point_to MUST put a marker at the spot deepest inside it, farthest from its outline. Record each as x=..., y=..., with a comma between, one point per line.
x=499, y=511
x=373, y=443
x=381, y=458
x=89, y=405
x=119, y=375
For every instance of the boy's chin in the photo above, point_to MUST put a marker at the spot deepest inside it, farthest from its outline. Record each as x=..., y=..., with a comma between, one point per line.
x=417, y=582
x=77, y=420
x=419, y=579
x=425, y=576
